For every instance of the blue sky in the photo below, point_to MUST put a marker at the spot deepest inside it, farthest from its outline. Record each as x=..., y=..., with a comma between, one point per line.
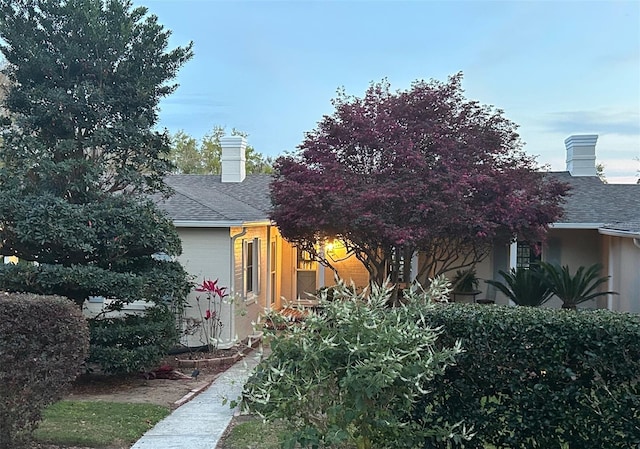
x=271, y=68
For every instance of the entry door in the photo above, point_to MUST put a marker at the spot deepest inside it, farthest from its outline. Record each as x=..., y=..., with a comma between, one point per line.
x=305, y=275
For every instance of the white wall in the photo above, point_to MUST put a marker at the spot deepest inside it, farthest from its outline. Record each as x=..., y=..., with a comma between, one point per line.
x=574, y=248
x=206, y=255
x=625, y=263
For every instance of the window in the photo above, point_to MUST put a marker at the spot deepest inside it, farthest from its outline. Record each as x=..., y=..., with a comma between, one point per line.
x=251, y=262
x=249, y=268
x=526, y=255
x=305, y=274
x=273, y=268
x=397, y=257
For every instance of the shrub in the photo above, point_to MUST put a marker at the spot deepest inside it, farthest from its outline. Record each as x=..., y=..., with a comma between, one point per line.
x=465, y=281
x=133, y=343
x=542, y=378
x=575, y=289
x=353, y=373
x=524, y=286
x=43, y=342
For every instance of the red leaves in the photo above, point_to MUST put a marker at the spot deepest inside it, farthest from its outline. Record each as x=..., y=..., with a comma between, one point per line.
x=210, y=286
x=413, y=168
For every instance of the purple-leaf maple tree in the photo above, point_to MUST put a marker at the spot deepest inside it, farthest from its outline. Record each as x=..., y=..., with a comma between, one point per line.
x=418, y=171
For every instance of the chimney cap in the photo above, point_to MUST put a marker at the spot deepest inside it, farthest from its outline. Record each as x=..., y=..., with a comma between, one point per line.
x=581, y=139
x=230, y=141
x=233, y=158
x=581, y=154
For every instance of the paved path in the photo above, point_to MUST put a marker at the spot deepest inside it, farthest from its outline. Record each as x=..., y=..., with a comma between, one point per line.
x=199, y=423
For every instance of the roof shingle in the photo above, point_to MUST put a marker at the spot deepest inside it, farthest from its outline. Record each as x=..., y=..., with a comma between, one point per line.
x=592, y=201
x=207, y=198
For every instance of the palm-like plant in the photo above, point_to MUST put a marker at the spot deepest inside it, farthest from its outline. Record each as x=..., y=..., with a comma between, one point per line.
x=576, y=289
x=465, y=281
x=524, y=286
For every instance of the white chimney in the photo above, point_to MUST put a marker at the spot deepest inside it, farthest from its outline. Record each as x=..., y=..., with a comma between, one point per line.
x=233, y=158
x=581, y=154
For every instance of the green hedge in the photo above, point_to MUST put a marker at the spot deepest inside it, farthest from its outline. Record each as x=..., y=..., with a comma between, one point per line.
x=43, y=343
x=133, y=343
x=539, y=377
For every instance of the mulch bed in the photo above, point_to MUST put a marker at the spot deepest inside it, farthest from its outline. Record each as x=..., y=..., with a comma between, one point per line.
x=219, y=358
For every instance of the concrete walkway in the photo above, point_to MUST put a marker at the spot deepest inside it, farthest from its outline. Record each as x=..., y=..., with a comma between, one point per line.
x=199, y=423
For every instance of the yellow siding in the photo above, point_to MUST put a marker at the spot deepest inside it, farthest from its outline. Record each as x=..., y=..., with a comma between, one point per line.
x=247, y=308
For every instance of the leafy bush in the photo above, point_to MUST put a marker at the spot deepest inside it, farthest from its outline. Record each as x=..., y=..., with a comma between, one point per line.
x=465, y=281
x=539, y=378
x=43, y=342
x=575, y=289
x=524, y=286
x=353, y=373
x=133, y=343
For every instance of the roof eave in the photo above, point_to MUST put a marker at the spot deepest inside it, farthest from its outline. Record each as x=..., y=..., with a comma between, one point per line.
x=576, y=225
x=219, y=223
x=619, y=233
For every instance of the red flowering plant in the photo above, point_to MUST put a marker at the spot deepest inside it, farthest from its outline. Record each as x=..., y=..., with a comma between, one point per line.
x=210, y=313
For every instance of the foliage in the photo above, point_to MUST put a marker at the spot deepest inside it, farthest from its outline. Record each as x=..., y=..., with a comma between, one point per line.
x=437, y=292
x=4, y=88
x=524, y=286
x=465, y=281
x=204, y=158
x=81, y=152
x=353, y=373
x=575, y=289
x=600, y=173
x=134, y=343
x=97, y=423
x=211, y=318
x=417, y=170
x=43, y=342
x=246, y=434
x=87, y=79
x=539, y=378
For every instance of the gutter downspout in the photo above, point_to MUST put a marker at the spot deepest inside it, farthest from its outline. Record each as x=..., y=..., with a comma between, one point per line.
x=610, y=273
x=268, y=297
x=636, y=242
x=513, y=261
x=321, y=280
x=232, y=283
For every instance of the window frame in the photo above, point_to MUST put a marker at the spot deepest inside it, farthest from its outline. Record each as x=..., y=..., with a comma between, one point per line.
x=251, y=268
x=526, y=256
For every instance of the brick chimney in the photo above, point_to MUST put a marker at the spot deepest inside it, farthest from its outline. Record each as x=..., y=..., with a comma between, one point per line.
x=581, y=154
x=233, y=158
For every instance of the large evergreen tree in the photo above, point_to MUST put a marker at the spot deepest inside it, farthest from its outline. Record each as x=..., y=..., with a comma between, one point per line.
x=80, y=153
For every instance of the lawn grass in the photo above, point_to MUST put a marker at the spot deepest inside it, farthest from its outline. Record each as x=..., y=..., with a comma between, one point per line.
x=96, y=423
x=254, y=434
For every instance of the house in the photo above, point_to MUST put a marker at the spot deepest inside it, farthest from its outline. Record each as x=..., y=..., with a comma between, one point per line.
x=601, y=224
x=227, y=235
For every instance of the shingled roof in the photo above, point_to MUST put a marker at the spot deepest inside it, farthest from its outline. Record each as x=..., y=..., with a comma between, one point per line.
x=204, y=200
x=592, y=202
x=627, y=229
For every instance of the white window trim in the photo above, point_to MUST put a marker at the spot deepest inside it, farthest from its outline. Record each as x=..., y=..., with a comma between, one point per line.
x=251, y=296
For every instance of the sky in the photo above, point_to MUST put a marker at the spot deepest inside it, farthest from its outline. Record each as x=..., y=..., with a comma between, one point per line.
x=271, y=68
